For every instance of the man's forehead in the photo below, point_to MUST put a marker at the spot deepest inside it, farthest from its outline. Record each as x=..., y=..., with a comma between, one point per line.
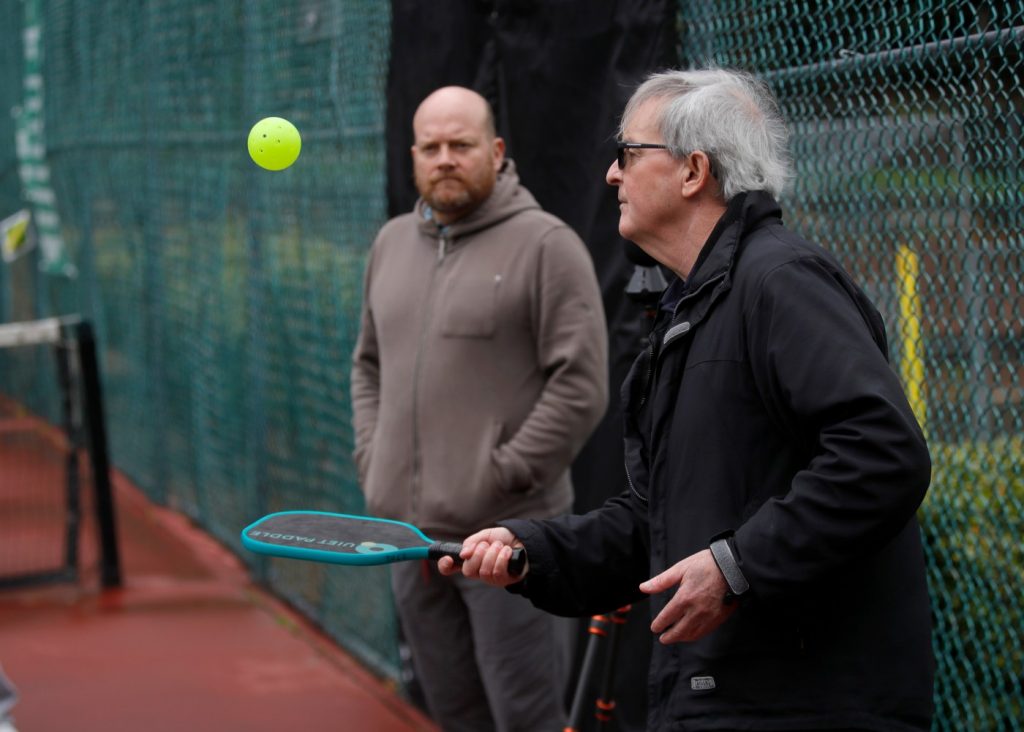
x=643, y=121
x=446, y=130
x=450, y=109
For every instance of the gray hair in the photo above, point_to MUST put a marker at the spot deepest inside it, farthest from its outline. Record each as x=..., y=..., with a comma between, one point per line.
x=731, y=116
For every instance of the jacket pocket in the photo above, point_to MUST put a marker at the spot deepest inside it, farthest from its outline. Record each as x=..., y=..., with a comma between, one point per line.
x=508, y=473
x=362, y=455
x=468, y=307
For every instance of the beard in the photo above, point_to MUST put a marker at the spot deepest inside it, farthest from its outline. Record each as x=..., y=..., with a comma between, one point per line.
x=455, y=195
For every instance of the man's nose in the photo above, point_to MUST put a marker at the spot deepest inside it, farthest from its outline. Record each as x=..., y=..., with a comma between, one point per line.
x=445, y=156
x=614, y=175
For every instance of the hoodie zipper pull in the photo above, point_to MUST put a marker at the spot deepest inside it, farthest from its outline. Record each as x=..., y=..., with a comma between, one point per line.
x=442, y=244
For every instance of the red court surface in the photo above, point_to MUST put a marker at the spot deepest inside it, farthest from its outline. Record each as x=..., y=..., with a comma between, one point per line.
x=188, y=644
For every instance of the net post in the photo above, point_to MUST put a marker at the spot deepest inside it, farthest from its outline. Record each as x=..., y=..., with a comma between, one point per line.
x=92, y=396
x=70, y=413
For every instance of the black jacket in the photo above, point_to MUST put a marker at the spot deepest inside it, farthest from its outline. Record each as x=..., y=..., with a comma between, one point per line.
x=765, y=406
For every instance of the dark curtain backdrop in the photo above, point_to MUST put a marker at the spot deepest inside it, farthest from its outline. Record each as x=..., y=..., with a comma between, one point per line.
x=558, y=73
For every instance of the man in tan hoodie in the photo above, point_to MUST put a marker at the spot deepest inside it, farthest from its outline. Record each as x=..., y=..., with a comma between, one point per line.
x=480, y=370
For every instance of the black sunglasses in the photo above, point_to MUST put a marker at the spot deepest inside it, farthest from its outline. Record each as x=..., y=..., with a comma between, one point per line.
x=621, y=147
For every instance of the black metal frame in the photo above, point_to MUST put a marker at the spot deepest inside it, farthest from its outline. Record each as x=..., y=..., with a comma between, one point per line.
x=84, y=423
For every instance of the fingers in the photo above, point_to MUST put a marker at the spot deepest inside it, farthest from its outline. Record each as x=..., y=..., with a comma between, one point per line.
x=494, y=535
x=494, y=564
x=447, y=566
x=694, y=623
x=488, y=561
x=659, y=583
x=671, y=578
x=696, y=607
x=485, y=556
x=674, y=611
x=674, y=623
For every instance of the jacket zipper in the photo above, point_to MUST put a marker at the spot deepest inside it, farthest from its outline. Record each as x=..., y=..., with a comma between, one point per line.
x=647, y=376
x=691, y=295
x=442, y=247
x=654, y=355
x=632, y=488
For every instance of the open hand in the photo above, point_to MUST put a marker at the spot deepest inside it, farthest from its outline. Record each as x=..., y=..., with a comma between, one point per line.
x=697, y=607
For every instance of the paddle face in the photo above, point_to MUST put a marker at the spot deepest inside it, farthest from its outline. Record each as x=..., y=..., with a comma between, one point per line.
x=336, y=538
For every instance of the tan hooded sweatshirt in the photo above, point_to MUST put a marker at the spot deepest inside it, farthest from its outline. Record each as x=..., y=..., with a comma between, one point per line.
x=481, y=365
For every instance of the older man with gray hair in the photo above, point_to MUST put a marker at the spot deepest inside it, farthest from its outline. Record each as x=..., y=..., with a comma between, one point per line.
x=774, y=464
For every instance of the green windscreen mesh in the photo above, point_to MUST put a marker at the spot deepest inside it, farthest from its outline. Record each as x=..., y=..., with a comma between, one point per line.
x=11, y=80
x=226, y=298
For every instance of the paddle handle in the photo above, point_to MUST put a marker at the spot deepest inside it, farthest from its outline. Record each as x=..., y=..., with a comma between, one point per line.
x=452, y=549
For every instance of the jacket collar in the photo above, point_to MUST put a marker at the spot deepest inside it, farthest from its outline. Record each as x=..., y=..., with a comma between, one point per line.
x=744, y=213
x=712, y=272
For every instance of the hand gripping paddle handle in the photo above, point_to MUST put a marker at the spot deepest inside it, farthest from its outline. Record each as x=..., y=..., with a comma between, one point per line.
x=439, y=549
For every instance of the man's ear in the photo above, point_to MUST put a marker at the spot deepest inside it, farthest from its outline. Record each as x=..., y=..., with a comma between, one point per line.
x=498, y=153
x=696, y=173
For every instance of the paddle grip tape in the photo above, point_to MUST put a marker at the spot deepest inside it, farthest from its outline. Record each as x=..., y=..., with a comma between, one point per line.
x=452, y=549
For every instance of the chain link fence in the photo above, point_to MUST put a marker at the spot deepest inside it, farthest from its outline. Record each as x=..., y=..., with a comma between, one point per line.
x=226, y=298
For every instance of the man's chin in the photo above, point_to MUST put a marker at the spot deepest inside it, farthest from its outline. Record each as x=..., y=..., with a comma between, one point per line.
x=449, y=204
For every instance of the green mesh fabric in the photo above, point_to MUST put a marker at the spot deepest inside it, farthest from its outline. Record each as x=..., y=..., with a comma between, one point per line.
x=11, y=64
x=226, y=298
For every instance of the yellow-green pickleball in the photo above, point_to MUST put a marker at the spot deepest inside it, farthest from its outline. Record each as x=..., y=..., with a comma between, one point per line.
x=274, y=143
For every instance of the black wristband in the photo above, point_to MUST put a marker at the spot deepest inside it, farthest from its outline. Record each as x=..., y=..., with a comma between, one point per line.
x=721, y=550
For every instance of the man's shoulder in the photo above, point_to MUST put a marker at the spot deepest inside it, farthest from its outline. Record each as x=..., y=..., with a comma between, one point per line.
x=785, y=262
x=542, y=226
x=540, y=215
x=402, y=222
x=775, y=246
x=397, y=229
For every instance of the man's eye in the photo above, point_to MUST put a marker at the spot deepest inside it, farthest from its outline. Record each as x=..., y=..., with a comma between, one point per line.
x=461, y=146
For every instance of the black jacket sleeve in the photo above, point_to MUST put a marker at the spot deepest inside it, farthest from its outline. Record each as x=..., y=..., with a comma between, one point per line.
x=589, y=564
x=818, y=348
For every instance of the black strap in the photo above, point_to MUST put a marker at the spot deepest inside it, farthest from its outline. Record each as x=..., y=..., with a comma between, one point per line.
x=721, y=550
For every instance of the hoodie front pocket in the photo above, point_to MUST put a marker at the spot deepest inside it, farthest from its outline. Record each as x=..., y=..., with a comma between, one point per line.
x=468, y=307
